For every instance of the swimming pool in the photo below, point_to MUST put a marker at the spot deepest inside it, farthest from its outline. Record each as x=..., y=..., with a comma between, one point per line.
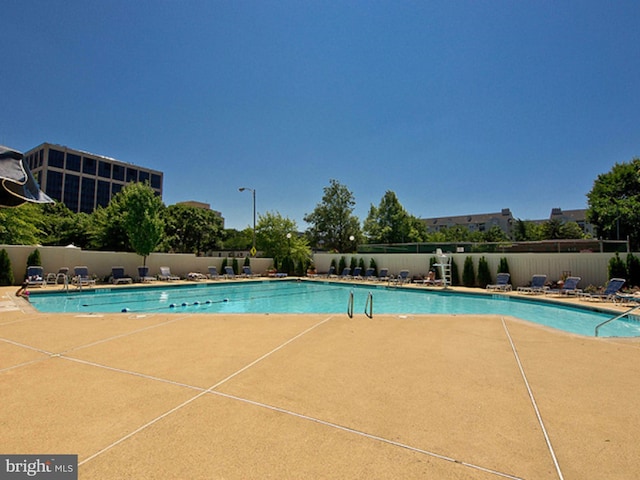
x=324, y=297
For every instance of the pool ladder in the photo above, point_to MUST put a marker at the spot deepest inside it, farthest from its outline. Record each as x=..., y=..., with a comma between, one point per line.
x=368, y=307
x=617, y=317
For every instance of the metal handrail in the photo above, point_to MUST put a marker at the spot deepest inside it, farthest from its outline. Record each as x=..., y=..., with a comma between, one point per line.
x=350, y=305
x=369, y=304
x=617, y=317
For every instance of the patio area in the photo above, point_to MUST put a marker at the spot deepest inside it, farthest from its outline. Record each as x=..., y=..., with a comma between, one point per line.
x=246, y=396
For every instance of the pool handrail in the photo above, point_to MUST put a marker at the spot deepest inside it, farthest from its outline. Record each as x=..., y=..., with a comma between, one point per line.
x=617, y=317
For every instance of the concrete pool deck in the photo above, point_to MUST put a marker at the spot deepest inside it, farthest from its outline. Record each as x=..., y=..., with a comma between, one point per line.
x=245, y=396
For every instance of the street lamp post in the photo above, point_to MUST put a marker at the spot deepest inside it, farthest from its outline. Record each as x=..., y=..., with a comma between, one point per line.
x=253, y=191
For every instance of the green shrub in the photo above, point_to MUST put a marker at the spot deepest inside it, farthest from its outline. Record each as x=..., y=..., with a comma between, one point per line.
x=353, y=264
x=6, y=274
x=503, y=266
x=484, y=275
x=247, y=262
x=468, y=273
x=455, y=274
x=342, y=264
x=225, y=262
x=234, y=265
x=372, y=264
x=34, y=260
x=361, y=264
x=617, y=268
x=633, y=270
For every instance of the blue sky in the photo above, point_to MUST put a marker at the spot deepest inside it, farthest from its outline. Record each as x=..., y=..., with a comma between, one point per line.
x=457, y=106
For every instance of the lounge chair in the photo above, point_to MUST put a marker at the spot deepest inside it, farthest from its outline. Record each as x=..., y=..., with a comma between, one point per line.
x=570, y=287
x=165, y=274
x=143, y=275
x=81, y=277
x=35, y=277
x=537, y=285
x=213, y=273
x=502, y=283
x=383, y=274
x=331, y=273
x=357, y=273
x=229, y=273
x=246, y=272
x=346, y=273
x=609, y=294
x=368, y=274
x=60, y=277
x=118, y=276
x=403, y=277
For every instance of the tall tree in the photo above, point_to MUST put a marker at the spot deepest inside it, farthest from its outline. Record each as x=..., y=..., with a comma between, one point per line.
x=614, y=202
x=277, y=237
x=142, y=217
x=391, y=223
x=191, y=229
x=332, y=221
x=21, y=225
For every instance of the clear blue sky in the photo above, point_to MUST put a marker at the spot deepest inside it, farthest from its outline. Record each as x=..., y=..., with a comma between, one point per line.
x=456, y=106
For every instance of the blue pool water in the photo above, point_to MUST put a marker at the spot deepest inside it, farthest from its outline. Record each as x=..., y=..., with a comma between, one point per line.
x=324, y=297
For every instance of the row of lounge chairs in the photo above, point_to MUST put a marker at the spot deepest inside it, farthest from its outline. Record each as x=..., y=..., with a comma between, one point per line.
x=538, y=285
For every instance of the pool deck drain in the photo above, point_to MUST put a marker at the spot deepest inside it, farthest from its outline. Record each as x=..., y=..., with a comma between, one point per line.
x=317, y=396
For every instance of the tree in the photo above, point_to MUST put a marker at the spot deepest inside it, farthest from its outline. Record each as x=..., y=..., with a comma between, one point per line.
x=271, y=238
x=61, y=226
x=391, y=223
x=191, y=229
x=107, y=230
x=21, y=225
x=527, y=231
x=614, y=202
x=142, y=218
x=238, y=240
x=332, y=221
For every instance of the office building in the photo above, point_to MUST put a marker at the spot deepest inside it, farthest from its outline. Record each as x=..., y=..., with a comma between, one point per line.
x=83, y=181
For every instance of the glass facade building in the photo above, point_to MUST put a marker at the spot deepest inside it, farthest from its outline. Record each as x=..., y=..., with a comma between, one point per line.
x=83, y=181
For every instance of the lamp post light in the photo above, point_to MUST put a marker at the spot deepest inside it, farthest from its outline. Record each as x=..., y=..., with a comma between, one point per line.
x=253, y=191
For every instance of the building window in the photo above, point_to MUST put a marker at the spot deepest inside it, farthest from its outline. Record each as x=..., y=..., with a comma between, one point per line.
x=143, y=176
x=104, y=169
x=156, y=181
x=115, y=188
x=87, y=194
x=54, y=185
x=73, y=162
x=118, y=172
x=56, y=158
x=132, y=175
x=71, y=191
x=89, y=165
x=103, y=195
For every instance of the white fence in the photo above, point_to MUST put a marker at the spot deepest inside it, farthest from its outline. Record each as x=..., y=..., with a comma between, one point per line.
x=100, y=263
x=592, y=267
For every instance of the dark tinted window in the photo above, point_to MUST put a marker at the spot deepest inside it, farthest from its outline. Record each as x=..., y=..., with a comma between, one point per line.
x=143, y=176
x=87, y=194
x=71, y=191
x=104, y=169
x=89, y=166
x=54, y=185
x=132, y=175
x=103, y=194
x=118, y=172
x=56, y=158
x=156, y=181
x=73, y=162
